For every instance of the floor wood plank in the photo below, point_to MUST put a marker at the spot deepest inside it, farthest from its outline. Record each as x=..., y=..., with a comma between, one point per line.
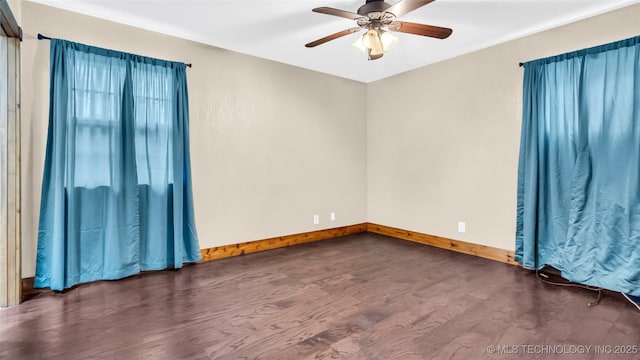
x=363, y=296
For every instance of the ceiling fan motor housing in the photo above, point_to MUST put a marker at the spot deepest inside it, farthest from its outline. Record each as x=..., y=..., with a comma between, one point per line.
x=373, y=6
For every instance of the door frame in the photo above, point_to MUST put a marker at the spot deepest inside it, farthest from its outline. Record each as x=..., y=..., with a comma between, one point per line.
x=10, y=199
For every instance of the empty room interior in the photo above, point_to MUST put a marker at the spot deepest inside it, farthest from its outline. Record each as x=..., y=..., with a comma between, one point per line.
x=235, y=180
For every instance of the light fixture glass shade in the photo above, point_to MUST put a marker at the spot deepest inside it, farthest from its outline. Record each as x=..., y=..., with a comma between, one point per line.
x=358, y=43
x=388, y=40
x=375, y=42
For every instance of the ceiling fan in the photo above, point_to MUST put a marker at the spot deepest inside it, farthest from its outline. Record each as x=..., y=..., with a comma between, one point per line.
x=378, y=18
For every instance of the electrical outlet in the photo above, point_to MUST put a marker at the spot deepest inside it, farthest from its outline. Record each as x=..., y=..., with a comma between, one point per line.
x=332, y=216
x=316, y=219
x=462, y=226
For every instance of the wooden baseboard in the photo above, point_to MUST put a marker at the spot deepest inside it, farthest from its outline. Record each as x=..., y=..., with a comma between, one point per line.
x=226, y=251
x=221, y=252
x=487, y=252
x=27, y=288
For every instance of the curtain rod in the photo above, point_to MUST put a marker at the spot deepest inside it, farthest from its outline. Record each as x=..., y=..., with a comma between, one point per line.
x=42, y=37
x=521, y=64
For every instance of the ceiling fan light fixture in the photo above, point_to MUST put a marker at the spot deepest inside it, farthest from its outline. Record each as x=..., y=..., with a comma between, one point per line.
x=388, y=40
x=375, y=42
x=358, y=44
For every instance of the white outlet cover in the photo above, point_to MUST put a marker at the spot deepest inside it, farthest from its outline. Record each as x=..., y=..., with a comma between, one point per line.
x=316, y=219
x=332, y=216
x=462, y=226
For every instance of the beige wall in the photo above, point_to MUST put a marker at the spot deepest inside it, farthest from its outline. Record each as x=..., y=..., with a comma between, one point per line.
x=443, y=140
x=16, y=10
x=271, y=144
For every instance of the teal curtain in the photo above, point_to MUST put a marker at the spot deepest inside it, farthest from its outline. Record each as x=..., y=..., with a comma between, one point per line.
x=116, y=191
x=579, y=166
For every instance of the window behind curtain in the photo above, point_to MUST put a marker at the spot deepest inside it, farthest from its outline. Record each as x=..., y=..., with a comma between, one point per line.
x=97, y=111
x=95, y=102
x=152, y=94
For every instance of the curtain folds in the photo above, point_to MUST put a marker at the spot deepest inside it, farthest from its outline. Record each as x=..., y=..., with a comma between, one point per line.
x=116, y=192
x=579, y=166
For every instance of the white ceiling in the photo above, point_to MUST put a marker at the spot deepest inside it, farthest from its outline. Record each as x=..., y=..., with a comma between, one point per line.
x=278, y=30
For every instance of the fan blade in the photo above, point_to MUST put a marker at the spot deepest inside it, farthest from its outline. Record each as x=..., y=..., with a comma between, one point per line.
x=337, y=12
x=420, y=29
x=332, y=37
x=405, y=6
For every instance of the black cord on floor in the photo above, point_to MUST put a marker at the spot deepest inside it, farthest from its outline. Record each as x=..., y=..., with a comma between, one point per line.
x=545, y=279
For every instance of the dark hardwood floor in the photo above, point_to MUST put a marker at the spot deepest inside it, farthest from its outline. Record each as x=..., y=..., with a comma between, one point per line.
x=359, y=297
